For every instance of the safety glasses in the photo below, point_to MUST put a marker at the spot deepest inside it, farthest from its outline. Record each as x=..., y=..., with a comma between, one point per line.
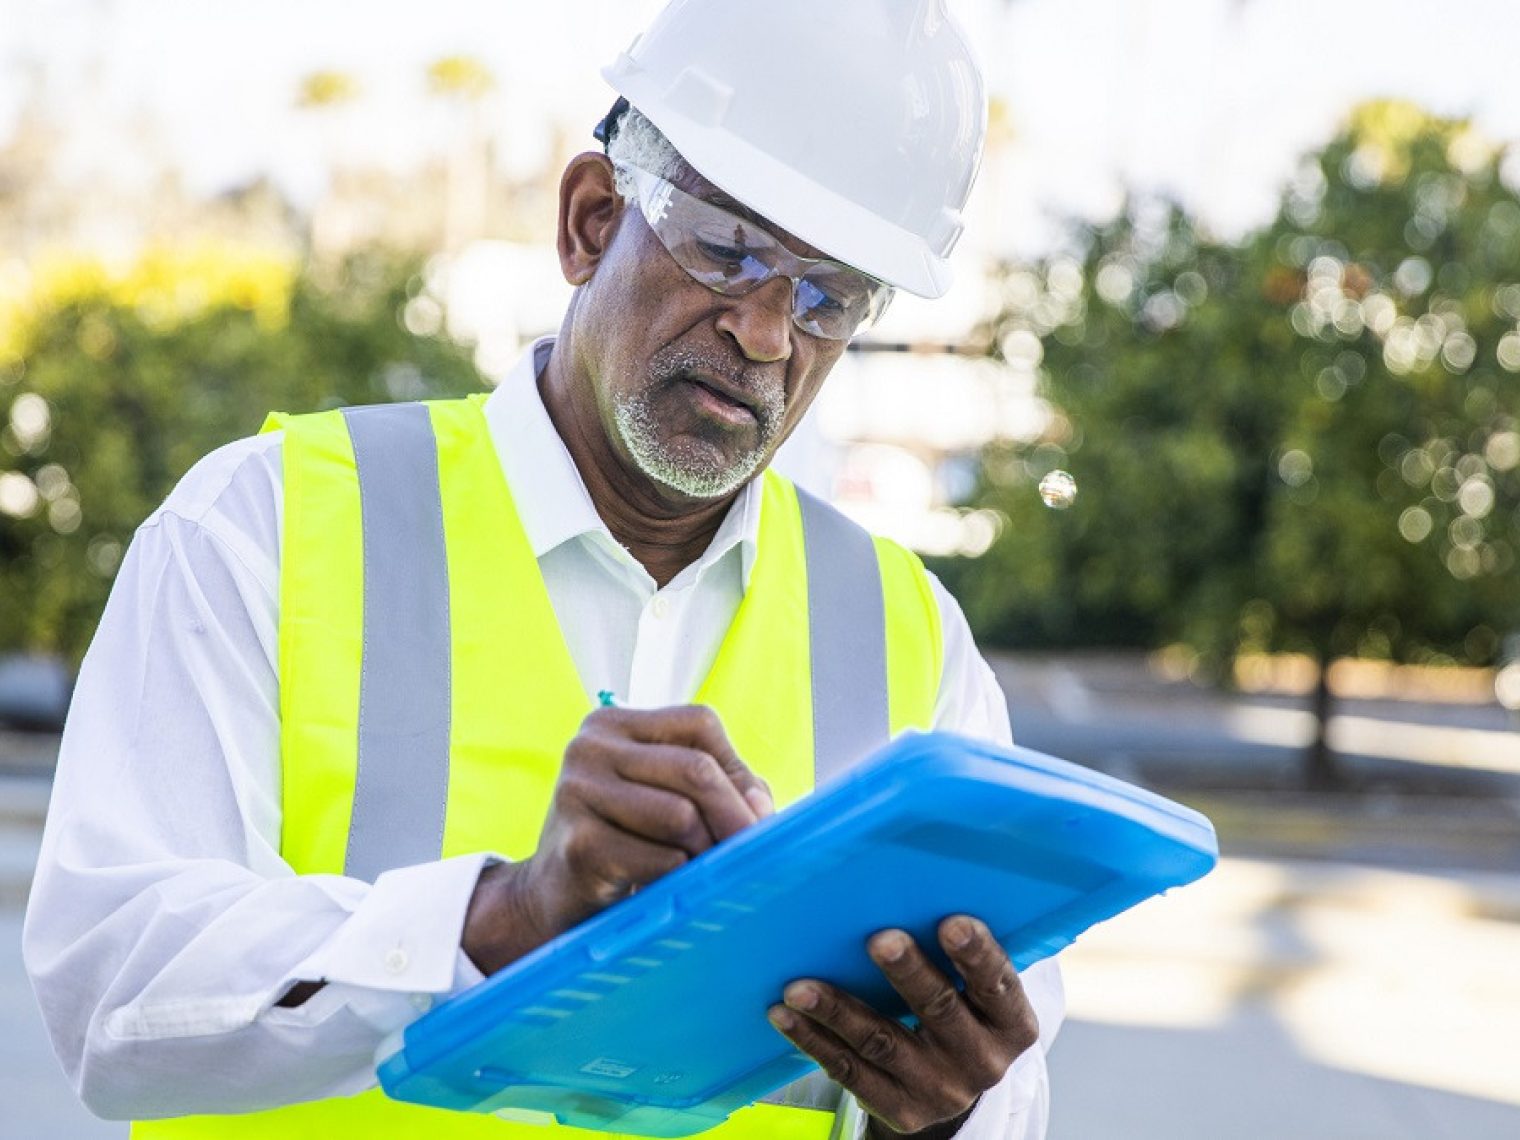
x=733, y=255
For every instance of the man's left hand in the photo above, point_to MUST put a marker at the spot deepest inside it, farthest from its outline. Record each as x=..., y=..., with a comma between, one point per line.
x=924, y=1080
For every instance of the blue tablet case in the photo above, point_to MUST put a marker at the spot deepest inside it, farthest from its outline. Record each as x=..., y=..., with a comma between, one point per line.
x=649, y=1018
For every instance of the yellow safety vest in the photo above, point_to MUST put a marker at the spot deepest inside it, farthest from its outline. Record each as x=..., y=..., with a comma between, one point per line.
x=513, y=696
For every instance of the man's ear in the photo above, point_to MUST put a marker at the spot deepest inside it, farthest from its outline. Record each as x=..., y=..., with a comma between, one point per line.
x=589, y=210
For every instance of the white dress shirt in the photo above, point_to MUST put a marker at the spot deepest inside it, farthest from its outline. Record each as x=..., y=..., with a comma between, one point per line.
x=164, y=925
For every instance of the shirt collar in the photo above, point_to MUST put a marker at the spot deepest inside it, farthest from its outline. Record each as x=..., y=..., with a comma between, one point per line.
x=548, y=491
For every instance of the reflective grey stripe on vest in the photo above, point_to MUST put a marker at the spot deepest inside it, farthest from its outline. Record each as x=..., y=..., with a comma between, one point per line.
x=847, y=627
x=402, y=785
x=401, y=792
x=848, y=624
x=812, y=1091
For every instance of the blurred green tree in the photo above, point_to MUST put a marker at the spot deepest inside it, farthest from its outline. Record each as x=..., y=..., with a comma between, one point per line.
x=1307, y=441
x=111, y=388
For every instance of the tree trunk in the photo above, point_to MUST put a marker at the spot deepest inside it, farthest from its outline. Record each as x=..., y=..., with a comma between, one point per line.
x=1320, y=771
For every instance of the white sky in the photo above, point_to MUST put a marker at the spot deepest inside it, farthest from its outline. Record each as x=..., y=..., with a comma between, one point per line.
x=1210, y=99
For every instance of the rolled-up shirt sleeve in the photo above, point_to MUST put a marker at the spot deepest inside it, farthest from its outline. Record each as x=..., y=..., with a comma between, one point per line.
x=163, y=925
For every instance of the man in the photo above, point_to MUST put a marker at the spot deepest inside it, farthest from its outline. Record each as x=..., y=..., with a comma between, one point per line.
x=330, y=758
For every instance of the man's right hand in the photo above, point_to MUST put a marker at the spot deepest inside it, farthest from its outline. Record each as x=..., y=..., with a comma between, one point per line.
x=640, y=792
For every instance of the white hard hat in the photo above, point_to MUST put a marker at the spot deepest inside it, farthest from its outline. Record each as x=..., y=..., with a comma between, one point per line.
x=856, y=125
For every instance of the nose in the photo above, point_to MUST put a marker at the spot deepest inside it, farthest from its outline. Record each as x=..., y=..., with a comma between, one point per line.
x=760, y=322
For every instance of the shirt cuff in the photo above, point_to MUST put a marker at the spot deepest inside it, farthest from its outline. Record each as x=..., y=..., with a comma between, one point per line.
x=851, y=1120
x=1016, y=1108
x=399, y=952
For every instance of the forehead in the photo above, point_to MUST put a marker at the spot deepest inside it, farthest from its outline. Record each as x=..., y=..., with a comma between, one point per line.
x=694, y=183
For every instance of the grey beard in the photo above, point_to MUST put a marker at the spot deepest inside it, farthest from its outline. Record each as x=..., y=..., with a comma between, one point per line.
x=697, y=476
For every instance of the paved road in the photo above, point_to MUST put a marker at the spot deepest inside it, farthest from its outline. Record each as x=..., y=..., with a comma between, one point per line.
x=1112, y=712
x=1288, y=999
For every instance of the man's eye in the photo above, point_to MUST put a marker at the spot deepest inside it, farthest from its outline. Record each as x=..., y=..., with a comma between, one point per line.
x=821, y=300
x=722, y=254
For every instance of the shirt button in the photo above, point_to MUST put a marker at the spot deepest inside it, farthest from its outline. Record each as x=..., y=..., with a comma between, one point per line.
x=396, y=960
x=660, y=606
x=422, y=1002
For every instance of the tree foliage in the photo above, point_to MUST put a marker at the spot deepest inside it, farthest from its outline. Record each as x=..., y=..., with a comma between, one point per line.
x=1307, y=440
x=111, y=387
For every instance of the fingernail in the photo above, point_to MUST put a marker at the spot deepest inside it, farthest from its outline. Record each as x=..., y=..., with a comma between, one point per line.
x=959, y=932
x=801, y=997
x=891, y=947
x=781, y=1017
x=759, y=799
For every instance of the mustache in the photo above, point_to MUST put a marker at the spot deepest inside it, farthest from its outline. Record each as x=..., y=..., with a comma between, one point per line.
x=763, y=382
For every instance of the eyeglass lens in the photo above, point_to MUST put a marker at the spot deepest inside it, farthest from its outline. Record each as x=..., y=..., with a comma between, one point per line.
x=730, y=254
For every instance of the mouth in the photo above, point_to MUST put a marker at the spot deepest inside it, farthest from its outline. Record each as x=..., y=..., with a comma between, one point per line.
x=722, y=399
